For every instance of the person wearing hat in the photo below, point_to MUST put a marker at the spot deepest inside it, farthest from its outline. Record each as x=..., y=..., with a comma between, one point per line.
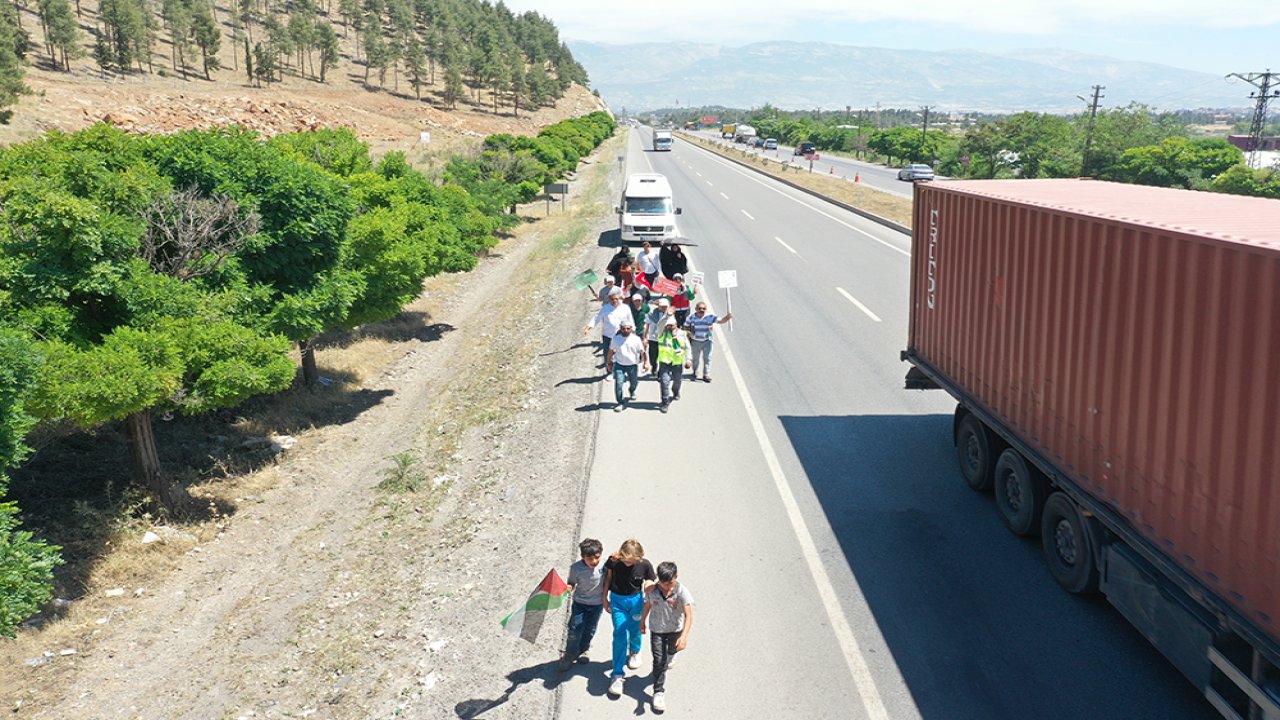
x=610, y=282
x=626, y=356
x=673, y=358
x=609, y=318
x=639, y=313
x=653, y=327
x=680, y=300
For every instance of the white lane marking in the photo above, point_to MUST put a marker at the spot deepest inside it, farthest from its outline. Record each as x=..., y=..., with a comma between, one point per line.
x=726, y=197
x=709, y=184
x=793, y=250
x=798, y=201
x=861, y=307
x=864, y=684
x=695, y=172
x=744, y=212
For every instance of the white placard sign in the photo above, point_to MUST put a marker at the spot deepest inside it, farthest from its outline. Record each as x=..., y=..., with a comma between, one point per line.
x=424, y=137
x=728, y=278
x=696, y=278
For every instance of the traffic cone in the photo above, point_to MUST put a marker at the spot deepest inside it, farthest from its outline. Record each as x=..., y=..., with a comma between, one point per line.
x=857, y=177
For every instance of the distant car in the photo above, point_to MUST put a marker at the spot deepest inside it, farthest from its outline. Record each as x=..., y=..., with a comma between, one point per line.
x=757, y=142
x=771, y=144
x=805, y=148
x=916, y=171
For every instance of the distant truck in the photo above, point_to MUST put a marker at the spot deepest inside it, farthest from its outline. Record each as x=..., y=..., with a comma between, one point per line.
x=744, y=134
x=647, y=211
x=1114, y=351
x=727, y=130
x=662, y=140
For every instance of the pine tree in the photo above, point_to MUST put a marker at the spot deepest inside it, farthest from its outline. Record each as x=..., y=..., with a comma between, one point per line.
x=207, y=36
x=62, y=34
x=13, y=46
x=327, y=44
x=264, y=63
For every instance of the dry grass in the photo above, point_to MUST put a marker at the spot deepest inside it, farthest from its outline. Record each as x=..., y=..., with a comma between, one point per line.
x=857, y=195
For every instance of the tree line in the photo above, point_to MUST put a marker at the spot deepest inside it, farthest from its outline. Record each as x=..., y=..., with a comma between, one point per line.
x=465, y=46
x=1133, y=144
x=174, y=273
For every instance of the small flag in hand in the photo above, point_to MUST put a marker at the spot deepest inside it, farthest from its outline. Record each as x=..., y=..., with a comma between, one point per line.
x=526, y=620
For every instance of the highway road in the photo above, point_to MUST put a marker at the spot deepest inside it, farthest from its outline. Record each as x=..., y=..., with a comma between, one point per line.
x=841, y=567
x=876, y=176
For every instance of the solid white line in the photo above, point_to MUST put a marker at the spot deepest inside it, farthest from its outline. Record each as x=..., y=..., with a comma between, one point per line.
x=793, y=250
x=861, y=307
x=726, y=197
x=827, y=215
x=863, y=682
x=744, y=212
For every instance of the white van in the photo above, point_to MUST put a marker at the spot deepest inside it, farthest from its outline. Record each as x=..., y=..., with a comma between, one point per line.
x=647, y=211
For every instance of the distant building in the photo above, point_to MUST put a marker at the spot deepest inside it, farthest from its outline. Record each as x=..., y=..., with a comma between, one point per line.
x=1245, y=143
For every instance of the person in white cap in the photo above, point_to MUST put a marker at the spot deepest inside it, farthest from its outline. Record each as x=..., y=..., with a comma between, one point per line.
x=610, y=283
x=625, y=359
x=653, y=327
x=673, y=358
x=609, y=318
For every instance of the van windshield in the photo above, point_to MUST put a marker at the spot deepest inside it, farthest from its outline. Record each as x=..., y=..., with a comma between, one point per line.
x=648, y=206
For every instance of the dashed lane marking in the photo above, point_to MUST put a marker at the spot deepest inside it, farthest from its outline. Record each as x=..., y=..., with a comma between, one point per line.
x=861, y=307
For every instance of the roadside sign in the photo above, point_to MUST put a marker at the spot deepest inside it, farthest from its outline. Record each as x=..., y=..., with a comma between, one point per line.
x=424, y=137
x=664, y=286
x=585, y=279
x=728, y=279
x=696, y=278
x=556, y=189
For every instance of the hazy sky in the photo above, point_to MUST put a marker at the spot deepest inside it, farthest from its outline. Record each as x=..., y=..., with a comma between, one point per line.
x=1218, y=37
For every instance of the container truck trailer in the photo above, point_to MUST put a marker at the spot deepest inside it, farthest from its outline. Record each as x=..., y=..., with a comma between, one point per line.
x=1114, y=351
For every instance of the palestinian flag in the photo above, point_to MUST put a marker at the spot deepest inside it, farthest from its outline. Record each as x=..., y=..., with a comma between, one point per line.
x=526, y=621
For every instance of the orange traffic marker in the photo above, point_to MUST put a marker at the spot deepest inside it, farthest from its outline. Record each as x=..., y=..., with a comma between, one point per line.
x=857, y=177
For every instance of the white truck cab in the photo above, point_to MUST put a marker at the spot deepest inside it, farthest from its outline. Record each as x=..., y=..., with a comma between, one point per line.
x=647, y=211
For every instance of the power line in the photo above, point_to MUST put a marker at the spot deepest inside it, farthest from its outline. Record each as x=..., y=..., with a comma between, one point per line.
x=1263, y=96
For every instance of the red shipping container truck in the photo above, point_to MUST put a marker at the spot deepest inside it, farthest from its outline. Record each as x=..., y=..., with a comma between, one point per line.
x=1115, y=353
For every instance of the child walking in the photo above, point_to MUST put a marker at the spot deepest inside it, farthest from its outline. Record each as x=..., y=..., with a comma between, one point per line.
x=586, y=577
x=668, y=615
x=627, y=576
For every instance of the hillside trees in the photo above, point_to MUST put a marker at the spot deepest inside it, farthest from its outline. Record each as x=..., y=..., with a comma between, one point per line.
x=13, y=47
x=61, y=34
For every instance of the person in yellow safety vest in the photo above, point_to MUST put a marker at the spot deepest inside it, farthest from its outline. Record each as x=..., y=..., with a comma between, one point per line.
x=673, y=358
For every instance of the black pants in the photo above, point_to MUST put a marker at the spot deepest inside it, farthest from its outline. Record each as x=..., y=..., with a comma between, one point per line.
x=664, y=646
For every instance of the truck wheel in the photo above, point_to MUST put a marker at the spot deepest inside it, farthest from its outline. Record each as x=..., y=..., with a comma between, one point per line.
x=973, y=451
x=1068, y=545
x=1020, y=492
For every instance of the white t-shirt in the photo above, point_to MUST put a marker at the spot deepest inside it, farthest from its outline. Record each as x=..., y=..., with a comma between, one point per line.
x=610, y=318
x=627, y=350
x=648, y=261
x=666, y=614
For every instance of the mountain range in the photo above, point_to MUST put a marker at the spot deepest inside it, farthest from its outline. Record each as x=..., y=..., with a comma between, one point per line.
x=807, y=75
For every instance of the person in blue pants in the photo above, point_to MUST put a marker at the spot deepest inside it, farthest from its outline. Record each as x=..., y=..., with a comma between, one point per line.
x=627, y=576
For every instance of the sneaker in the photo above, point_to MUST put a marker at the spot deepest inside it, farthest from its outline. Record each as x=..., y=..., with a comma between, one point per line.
x=583, y=658
x=676, y=396
x=631, y=395
x=659, y=702
x=619, y=407
x=565, y=662
x=633, y=661
x=706, y=378
x=664, y=407
x=615, y=687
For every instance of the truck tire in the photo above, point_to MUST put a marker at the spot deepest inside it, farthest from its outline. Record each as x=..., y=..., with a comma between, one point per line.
x=1068, y=545
x=1020, y=492
x=973, y=452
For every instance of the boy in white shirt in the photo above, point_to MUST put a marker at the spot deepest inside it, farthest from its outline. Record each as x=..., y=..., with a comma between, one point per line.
x=668, y=614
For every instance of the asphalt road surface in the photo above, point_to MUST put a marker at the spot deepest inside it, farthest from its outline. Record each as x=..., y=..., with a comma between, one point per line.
x=877, y=176
x=841, y=567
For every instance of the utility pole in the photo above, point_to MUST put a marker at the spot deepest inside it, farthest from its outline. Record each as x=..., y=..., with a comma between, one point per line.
x=878, y=125
x=1264, y=94
x=924, y=132
x=1088, y=135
